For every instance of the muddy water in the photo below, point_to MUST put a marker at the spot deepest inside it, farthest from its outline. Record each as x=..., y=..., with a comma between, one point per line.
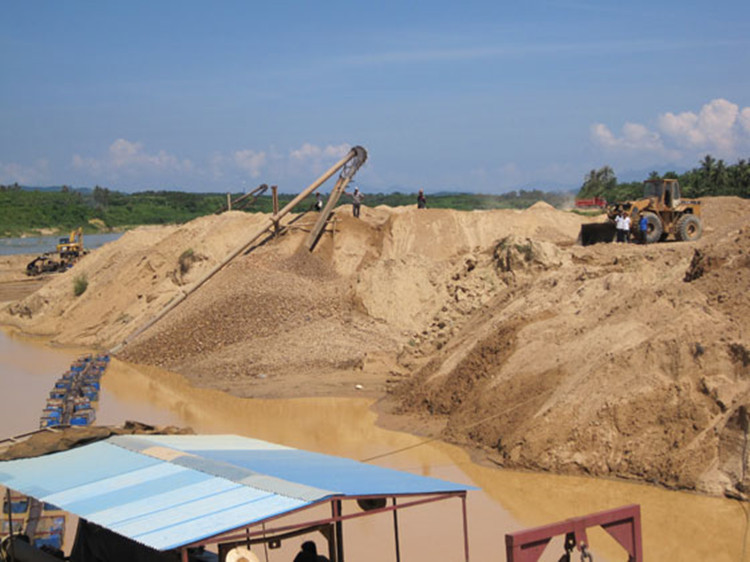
x=676, y=526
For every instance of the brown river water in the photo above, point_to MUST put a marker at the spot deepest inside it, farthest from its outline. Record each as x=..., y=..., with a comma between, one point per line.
x=676, y=525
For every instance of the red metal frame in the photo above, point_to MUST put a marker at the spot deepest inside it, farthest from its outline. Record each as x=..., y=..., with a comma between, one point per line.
x=245, y=532
x=622, y=523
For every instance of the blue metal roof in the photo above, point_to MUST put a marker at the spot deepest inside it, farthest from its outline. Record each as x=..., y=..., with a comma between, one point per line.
x=169, y=491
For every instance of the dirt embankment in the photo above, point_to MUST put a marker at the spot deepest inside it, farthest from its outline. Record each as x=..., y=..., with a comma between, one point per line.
x=14, y=283
x=612, y=360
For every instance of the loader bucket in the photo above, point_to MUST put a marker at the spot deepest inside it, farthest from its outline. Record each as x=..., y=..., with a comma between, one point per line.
x=596, y=232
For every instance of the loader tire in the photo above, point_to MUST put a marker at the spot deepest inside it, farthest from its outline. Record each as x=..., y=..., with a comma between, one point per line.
x=688, y=228
x=655, y=228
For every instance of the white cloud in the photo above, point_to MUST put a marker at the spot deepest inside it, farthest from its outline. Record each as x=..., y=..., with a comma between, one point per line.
x=36, y=174
x=131, y=162
x=719, y=128
x=124, y=156
x=311, y=152
x=297, y=165
x=311, y=159
x=250, y=161
x=745, y=120
x=634, y=137
x=712, y=128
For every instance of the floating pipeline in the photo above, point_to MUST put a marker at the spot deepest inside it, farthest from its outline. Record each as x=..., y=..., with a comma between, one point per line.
x=71, y=402
x=73, y=399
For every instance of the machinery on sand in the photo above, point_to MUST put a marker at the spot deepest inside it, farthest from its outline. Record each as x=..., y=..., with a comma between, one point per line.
x=665, y=211
x=69, y=249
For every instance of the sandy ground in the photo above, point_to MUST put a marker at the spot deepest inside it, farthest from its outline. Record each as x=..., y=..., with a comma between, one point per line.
x=14, y=283
x=491, y=328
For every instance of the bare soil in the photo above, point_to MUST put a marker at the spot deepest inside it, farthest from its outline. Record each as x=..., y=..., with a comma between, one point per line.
x=488, y=328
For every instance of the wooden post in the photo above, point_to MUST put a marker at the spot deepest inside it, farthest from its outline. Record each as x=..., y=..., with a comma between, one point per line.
x=275, y=200
x=229, y=201
x=325, y=214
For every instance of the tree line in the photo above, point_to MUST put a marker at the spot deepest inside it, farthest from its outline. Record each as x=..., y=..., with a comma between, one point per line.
x=712, y=177
x=25, y=210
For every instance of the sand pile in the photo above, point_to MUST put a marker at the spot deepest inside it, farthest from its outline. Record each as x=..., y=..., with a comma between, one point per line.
x=613, y=360
x=129, y=280
x=607, y=360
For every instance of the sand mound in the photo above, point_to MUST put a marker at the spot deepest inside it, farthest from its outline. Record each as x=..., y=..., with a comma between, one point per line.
x=614, y=360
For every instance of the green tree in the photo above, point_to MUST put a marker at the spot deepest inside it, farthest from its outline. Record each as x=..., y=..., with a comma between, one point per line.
x=598, y=183
x=101, y=196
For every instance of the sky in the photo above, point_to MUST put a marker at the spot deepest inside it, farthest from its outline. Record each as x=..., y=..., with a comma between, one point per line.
x=482, y=97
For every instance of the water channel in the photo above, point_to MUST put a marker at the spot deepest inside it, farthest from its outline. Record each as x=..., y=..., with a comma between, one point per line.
x=676, y=525
x=41, y=244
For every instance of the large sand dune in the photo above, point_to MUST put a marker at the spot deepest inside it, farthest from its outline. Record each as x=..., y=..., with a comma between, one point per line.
x=613, y=360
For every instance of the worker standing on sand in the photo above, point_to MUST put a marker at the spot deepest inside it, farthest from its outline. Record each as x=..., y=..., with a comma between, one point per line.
x=357, y=198
x=318, y=201
x=626, y=227
x=421, y=200
x=619, y=227
x=643, y=229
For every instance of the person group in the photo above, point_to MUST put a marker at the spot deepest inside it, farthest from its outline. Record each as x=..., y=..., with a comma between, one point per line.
x=623, y=224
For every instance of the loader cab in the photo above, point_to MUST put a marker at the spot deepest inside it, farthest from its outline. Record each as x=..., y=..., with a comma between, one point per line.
x=666, y=193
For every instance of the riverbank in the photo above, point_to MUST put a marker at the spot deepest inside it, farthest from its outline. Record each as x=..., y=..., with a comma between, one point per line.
x=491, y=328
x=676, y=526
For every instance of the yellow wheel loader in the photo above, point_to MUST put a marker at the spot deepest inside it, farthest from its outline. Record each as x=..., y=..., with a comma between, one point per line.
x=665, y=210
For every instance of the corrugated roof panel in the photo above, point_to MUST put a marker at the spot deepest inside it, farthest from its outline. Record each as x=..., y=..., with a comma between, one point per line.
x=217, y=522
x=188, y=510
x=121, y=513
x=176, y=483
x=343, y=476
x=233, y=472
x=126, y=481
x=203, y=442
x=72, y=468
x=207, y=486
x=316, y=470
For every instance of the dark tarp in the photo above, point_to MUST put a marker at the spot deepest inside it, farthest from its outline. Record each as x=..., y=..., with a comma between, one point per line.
x=97, y=544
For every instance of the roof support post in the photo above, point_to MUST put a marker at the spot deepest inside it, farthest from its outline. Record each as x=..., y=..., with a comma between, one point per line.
x=184, y=554
x=395, y=531
x=10, y=526
x=466, y=528
x=336, y=505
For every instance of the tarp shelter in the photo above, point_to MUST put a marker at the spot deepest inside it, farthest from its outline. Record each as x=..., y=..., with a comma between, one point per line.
x=171, y=492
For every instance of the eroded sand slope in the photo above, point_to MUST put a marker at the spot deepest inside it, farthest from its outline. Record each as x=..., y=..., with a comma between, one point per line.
x=615, y=360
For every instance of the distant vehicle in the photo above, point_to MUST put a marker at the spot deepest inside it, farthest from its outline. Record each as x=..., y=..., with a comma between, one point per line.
x=665, y=210
x=594, y=202
x=45, y=263
x=69, y=250
x=71, y=246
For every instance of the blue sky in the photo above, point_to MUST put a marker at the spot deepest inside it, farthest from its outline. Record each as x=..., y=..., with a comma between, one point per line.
x=474, y=96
